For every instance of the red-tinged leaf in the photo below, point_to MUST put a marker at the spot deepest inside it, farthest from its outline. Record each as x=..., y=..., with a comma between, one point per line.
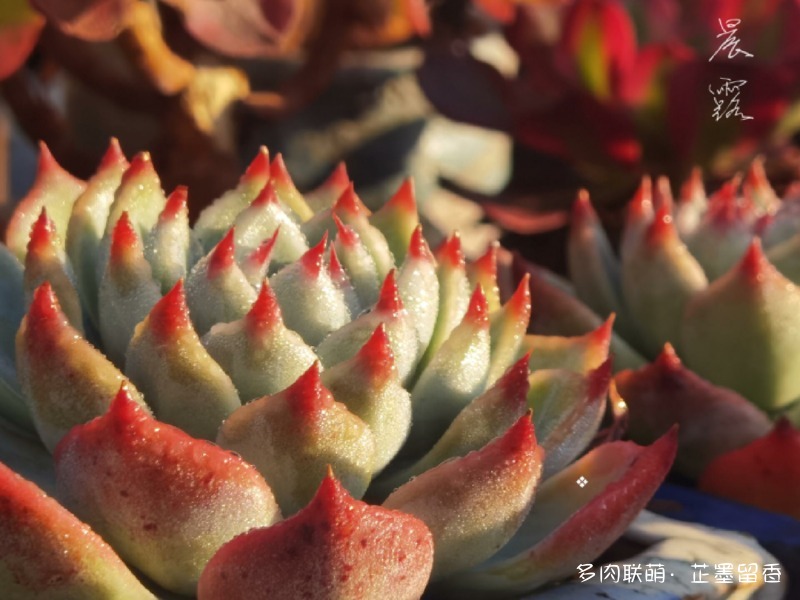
x=572, y=524
x=93, y=20
x=500, y=10
x=713, y=420
x=524, y=219
x=165, y=500
x=336, y=547
x=48, y=553
x=247, y=28
x=765, y=473
x=20, y=27
x=466, y=89
x=487, y=494
x=599, y=45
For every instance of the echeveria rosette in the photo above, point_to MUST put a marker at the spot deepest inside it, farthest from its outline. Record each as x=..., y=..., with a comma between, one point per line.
x=698, y=274
x=344, y=360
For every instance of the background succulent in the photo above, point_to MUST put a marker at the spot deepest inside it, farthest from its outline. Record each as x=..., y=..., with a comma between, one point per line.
x=306, y=334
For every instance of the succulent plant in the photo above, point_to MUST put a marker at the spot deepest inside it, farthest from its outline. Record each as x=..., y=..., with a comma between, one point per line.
x=714, y=276
x=332, y=357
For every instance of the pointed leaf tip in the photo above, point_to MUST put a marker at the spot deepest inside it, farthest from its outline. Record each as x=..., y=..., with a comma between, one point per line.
x=693, y=186
x=520, y=436
x=478, y=309
x=177, y=203
x=265, y=312
x=662, y=197
x=45, y=305
x=389, y=299
x=754, y=263
x=642, y=199
x=662, y=228
x=170, y=315
x=313, y=259
x=278, y=171
x=486, y=263
x=267, y=196
x=349, y=204
x=123, y=237
x=223, y=256
x=307, y=395
x=520, y=301
x=140, y=164
x=346, y=234
x=376, y=354
x=42, y=233
x=515, y=381
x=113, y=157
x=263, y=252
x=404, y=199
x=450, y=251
x=418, y=248
x=338, y=177
x=259, y=167
x=47, y=162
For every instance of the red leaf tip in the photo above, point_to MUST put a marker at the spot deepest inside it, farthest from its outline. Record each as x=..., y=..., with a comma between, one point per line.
x=486, y=264
x=520, y=301
x=389, y=299
x=449, y=252
x=278, y=172
x=335, y=267
x=349, y=205
x=43, y=234
x=754, y=264
x=261, y=255
x=265, y=312
x=307, y=396
x=693, y=187
x=520, y=437
x=642, y=200
x=662, y=197
x=376, y=356
x=141, y=164
x=223, y=256
x=177, y=204
x=47, y=162
x=515, y=381
x=123, y=408
x=170, y=315
x=404, y=199
x=756, y=176
x=45, y=305
x=338, y=179
x=266, y=196
x=113, y=157
x=602, y=335
x=478, y=309
x=123, y=238
x=418, y=248
x=259, y=168
x=662, y=229
x=347, y=235
x=313, y=259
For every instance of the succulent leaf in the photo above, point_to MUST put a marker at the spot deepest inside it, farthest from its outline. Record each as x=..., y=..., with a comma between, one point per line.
x=740, y=332
x=261, y=220
x=166, y=501
x=217, y=291
x=567, y=410
x=312, y=304
x=217, y=218
x=47, y=261
x=397, y=219
x=170, y=247
x=764, y=473
x=293, y=436
x=53, y=189
x=258, y=352
x=419, y=288
x=48, y=553
x=569, y=526
x=65, y=380
x=369, y=385
x=659, y=277
x=576, y=353
x=507, y=331
x=127, y=290
x=181, y=382
x=389, y=311
x=456, y=374
x=474, y=504
x=87, y=224
x=483, y=271
x=286, y=190
x=335, y=547
x=713, y=420
x=357, y=262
